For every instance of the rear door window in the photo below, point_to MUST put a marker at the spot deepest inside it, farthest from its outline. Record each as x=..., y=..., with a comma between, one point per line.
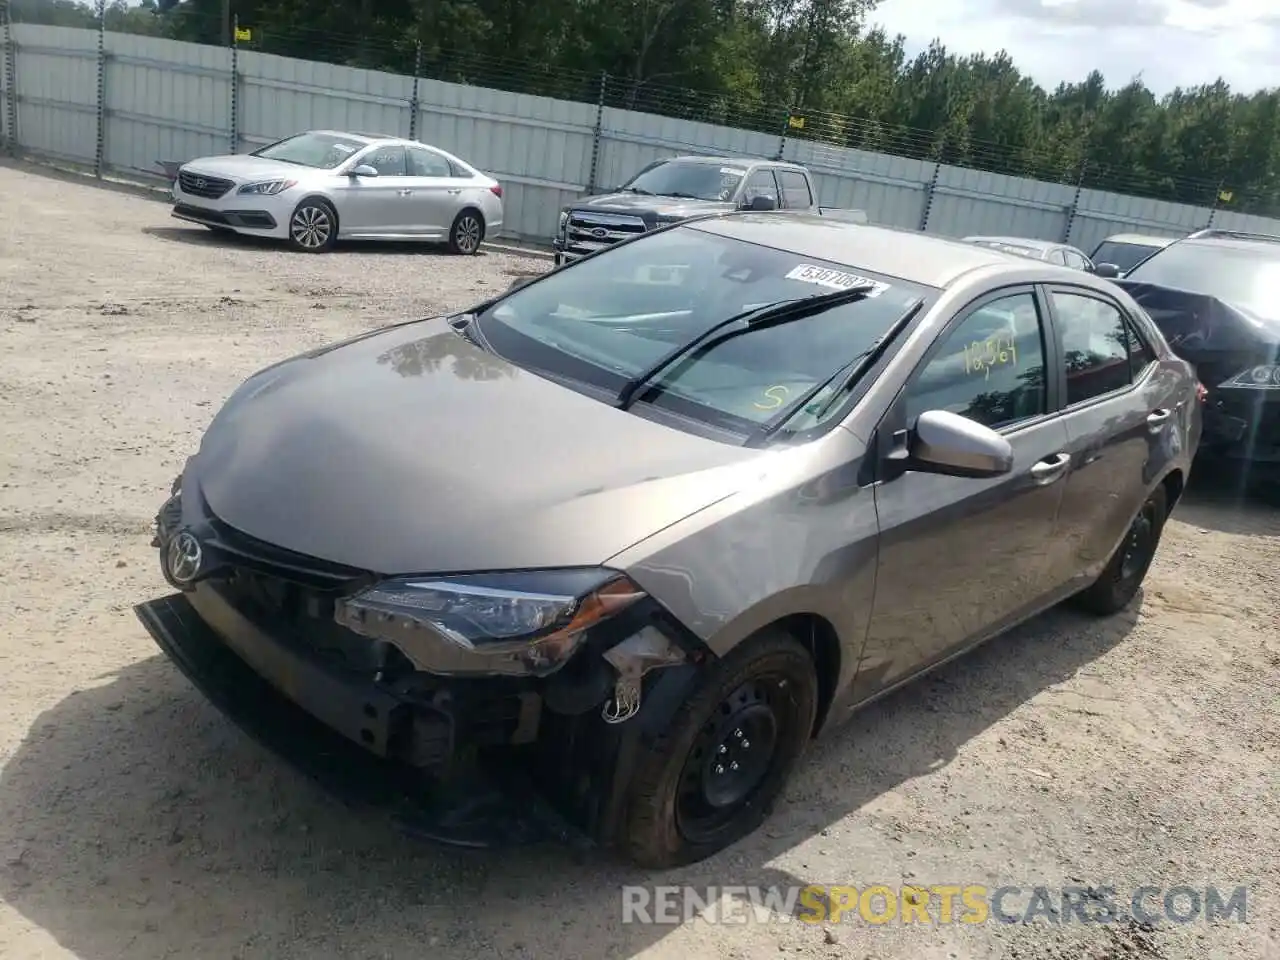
x=760, y=184
x=1100, y=350
x=427, y=163
x=795, y=189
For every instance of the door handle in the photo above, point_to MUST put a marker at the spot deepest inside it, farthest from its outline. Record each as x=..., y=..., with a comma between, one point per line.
x=1157, y=419
x=454, y=191
x=404, y=193
x=1050, y=468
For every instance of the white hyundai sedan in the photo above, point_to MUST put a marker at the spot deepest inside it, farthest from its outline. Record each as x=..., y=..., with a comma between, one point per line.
x=322, y=186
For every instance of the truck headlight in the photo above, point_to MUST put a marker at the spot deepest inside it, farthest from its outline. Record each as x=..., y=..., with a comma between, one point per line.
x=538, y=617
x=1262, y=377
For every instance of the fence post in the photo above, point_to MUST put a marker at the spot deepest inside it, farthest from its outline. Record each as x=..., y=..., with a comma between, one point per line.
x=1075, y=203
x=413, y=102
x=1213, y=211
x=786, y=127
x=10, y=78
x=928, y=195
x=234, y=119
x=100, y=153
x=598, y=133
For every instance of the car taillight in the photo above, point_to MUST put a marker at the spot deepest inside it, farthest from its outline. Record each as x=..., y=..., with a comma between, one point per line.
x=1202, y=393
x=496, y=190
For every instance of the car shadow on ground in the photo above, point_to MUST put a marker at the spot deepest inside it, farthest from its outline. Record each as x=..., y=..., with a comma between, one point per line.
x=1222, y=499
x=136, y=821
x=203, y=237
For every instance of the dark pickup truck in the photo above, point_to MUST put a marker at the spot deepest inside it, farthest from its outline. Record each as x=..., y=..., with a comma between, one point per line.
x=675, y=189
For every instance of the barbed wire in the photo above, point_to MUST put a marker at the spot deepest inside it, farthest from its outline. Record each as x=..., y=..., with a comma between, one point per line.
x=825, y=134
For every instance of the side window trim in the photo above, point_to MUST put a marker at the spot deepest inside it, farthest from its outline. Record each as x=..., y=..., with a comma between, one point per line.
x=765, y=172
x=1054, y=391
x=1059, y=347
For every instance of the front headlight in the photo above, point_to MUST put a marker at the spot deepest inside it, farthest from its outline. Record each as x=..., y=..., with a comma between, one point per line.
x=266, y=188
x=1263, y=377
x=536, y=618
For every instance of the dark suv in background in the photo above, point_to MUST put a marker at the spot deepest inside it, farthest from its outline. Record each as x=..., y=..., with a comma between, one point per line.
x=1216, y=297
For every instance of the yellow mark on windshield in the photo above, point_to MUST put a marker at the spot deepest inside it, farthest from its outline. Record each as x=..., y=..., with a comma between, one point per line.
x=777, y=396
x=980, y=356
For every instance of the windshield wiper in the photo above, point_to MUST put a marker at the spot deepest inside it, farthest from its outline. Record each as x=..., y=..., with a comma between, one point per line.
x=770, y=315
x=677, y=195
x=643, y=193
x=855, y=367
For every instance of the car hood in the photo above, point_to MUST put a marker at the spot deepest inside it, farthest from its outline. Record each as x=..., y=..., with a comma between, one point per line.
x=410, y=450
x=243, y=167
x=1196, y=324
x=651, y=208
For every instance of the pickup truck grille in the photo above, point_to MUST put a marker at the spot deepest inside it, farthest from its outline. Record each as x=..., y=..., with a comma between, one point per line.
x=198, y=185
x=587, y=232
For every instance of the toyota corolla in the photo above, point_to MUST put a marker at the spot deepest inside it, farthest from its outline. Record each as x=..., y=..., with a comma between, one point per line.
x=643, y=527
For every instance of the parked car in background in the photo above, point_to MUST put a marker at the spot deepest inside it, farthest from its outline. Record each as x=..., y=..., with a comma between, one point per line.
x=1214, y=295
x=322, y=186
x=769, y=468
x=1062, y=254
x=1126, y=250
x=678, y=188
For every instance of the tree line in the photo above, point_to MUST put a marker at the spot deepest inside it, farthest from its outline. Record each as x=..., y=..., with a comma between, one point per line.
x=806, y=68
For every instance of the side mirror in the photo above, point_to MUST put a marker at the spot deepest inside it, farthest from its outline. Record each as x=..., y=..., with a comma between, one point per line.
x=364, y=170
x=950, y=445
x=761, y=204
x=1108, y=270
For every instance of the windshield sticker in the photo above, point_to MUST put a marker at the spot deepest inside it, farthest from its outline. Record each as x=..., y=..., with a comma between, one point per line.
x=733, y=171
x=836, y=279
x=344, y=148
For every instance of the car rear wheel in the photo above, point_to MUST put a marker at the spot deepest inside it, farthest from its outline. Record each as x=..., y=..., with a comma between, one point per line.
x=1127, y=568
x=713, y=776
x=313, y=228
x=466, y=233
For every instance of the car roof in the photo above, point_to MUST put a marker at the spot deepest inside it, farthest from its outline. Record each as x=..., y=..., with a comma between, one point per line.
x=922, y=258
x=1017, y=242
x=1235, y=243
x=346, y=133
x=1140, y=239
x=737, y=161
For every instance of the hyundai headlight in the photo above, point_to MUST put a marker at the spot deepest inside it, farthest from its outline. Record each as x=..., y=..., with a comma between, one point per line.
x=266, y=188
x=538, y=618
x=1262, y=377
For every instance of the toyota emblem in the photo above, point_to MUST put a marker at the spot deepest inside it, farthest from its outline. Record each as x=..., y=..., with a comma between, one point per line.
x=600, y=233
x=184, y=557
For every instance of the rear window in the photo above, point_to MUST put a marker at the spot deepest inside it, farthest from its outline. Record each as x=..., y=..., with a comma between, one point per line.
x=1124, y=255
x=609, y=317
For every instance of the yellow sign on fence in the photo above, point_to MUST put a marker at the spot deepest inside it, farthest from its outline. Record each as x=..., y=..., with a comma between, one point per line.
x=243, y=33
x=796, y=123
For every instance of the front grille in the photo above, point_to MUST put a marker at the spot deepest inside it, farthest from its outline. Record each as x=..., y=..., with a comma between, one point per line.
x=200, y=185
x=587, y=232
x=198, y=213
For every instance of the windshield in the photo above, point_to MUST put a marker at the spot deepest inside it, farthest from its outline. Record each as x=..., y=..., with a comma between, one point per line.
x=688, y=178
x=1124, y=255
x=605, y=319
x=1248, y=277
x=323, y=151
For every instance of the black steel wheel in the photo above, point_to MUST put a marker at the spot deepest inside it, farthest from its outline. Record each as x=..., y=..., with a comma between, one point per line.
x=713, y=776
x=1128, y=566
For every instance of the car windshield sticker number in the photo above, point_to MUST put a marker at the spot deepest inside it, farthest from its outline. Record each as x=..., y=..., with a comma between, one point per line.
x=344, y=148
x=981, y=356
x=835, y=279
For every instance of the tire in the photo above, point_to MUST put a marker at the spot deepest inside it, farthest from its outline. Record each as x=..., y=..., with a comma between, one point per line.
x=1118, y=583
x=466, y=233
x=313, y=226
x=675, y=812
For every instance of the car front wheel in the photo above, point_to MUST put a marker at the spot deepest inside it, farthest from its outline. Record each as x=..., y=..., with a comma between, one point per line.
x=714, y=775
x=466, y=233
x=313, y=228
x=1128, y=566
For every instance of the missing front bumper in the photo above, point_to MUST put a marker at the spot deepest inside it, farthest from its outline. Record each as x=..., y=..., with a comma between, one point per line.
x=480, y=807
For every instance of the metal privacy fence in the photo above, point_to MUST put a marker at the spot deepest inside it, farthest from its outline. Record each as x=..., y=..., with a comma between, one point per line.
x=121, y=103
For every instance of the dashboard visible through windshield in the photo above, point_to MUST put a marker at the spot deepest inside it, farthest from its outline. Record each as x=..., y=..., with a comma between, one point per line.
x=608, y=318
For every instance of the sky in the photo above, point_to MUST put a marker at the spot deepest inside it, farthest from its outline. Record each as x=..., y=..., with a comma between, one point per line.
x=1169, y=43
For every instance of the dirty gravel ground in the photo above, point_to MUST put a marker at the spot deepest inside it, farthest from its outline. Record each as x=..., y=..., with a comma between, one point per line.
x=135, y=822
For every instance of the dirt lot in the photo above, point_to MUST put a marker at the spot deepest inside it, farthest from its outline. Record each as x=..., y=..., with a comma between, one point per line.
x=135, y=822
